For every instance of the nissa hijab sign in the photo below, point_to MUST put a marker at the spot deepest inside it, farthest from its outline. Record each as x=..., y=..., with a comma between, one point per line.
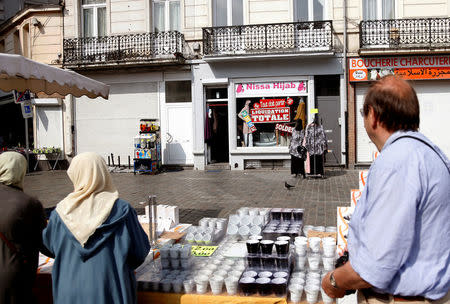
x=260, y=89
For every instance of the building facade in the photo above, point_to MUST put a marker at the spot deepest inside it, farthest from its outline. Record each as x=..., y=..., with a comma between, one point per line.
x=406, y=38
x=33, y=29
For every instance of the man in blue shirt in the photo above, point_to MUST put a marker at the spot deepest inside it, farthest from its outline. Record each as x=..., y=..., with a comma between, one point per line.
x=399, y=237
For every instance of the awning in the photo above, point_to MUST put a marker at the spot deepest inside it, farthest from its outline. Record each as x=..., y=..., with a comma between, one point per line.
x=21, y=74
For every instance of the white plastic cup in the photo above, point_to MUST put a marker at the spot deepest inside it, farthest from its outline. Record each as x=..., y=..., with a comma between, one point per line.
x=298, y=274
x=306, y=228
x=164, y=251
x=165, y=263
x=201, y=282
x=231, y=284
x=255, y=230
x=243, y=211
x=296, y=292
x=185, y=263
x=177, y=286
x=234, y=219
x=216, y=283
x=253, y=211
x=220, y=273
x=190, y=237
x=312, y=292
x=235, y=273
x=166, y=285
x=300, y=240
x=314, y=244
x=245, y=220
x=185, y=251
x=174, y=263
x=244, y=231
x=297, y=281
x=325, y=298
x=329, y=250
x=319, y=228
x=175, y=252
x=328, y=263
x=300, y=261
x=314, y=261
x=188, y=285
x=331, y=229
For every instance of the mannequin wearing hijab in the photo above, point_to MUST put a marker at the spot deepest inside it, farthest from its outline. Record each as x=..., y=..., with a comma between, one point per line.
x=95, y=237
x=21, y=226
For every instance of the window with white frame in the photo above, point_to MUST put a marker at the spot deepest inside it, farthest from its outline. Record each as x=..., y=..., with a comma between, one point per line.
x=310, y=10
x=227, y=12
x=166, y=15
x=94, y=18
x=378, y=9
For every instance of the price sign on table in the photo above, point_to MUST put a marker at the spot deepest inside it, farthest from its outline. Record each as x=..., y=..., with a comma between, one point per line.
x=205, y=251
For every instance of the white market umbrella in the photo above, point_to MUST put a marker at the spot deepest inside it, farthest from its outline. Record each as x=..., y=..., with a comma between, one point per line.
x=21, y=74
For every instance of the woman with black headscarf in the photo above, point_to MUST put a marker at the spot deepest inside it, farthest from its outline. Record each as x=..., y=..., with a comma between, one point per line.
x=21, y=223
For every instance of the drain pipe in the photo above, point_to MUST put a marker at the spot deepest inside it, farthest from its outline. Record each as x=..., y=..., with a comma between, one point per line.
x=345, y=91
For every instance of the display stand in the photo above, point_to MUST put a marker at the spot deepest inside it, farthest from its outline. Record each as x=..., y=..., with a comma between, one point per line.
x=51, y=156
x=147, y=145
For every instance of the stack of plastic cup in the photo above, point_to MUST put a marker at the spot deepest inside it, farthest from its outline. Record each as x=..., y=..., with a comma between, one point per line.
x=177, y=286
x=296, y=292
x=314, y=244
x=188, y=285
x=312, y=292
x=329, y=246
x=325, y=298
x=231, y=284
x=166, y=285
x=306, y=228
x=201, y=282
x=216, y=283
x=314, y=261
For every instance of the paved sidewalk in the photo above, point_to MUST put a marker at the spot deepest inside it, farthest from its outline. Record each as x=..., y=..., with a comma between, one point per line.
x=217, y=193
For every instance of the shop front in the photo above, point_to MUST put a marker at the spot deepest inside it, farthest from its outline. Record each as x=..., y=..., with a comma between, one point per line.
x=245, y=111
x=430, y=77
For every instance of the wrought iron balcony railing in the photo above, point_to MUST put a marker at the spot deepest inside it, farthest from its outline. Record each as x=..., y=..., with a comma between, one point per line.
x=405, y=33
x=314, y=36
x=122, y=48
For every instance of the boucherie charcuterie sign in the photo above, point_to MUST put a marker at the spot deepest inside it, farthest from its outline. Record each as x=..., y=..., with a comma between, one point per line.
x=271, y=115
x=259, y=89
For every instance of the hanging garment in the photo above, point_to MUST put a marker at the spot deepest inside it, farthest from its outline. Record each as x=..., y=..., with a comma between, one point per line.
x=316, y=142
x=296, y=140
x=208, y=133
x=301, y=113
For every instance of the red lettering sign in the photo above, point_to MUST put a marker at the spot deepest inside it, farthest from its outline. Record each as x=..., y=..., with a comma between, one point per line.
x=272, y=103
x=266, y=115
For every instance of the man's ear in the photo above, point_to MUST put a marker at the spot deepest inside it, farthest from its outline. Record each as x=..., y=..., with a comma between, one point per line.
x=373, y=119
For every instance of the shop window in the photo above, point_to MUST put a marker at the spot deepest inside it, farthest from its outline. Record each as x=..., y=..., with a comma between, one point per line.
x=166, y=15
x=178, y=91
x=94, y=18
x=268, y=121
x=227, y=12
x=378, y=9
x=310, y=10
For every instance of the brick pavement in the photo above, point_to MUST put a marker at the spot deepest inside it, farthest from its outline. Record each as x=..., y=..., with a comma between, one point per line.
x=217, y=193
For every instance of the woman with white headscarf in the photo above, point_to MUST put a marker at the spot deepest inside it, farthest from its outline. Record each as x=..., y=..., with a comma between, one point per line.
x=21, y=223
x=95, y=237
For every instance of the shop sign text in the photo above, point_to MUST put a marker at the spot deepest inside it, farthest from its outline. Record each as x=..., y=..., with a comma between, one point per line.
x=271, y=115
x=288, y=88
x=284, y=128
x=411, y=67
x=270, y=103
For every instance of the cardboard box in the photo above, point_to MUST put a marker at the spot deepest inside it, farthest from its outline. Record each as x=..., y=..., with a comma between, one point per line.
x=344, y=215
x=363, y=179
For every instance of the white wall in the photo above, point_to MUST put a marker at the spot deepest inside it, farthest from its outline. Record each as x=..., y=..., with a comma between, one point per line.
x=109, y=126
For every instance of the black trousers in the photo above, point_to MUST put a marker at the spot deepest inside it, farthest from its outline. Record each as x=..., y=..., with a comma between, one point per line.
x=316, y=164
x=297, y=165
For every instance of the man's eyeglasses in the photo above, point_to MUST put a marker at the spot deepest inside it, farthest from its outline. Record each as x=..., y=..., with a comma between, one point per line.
x=361, y=111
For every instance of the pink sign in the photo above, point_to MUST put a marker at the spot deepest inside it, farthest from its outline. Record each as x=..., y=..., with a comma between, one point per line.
x=263, y=115
x=285, y=88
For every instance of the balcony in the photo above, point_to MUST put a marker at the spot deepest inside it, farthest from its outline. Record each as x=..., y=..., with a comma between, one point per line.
x=162, y=47
x=263, y=39
x=405, y=35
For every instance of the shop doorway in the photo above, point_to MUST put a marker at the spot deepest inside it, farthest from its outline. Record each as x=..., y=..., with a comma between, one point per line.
x=216, y=125
x=12, y=126
x=328, y=103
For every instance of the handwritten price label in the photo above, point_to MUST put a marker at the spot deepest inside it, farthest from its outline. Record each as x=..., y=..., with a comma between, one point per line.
x=205, y=251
